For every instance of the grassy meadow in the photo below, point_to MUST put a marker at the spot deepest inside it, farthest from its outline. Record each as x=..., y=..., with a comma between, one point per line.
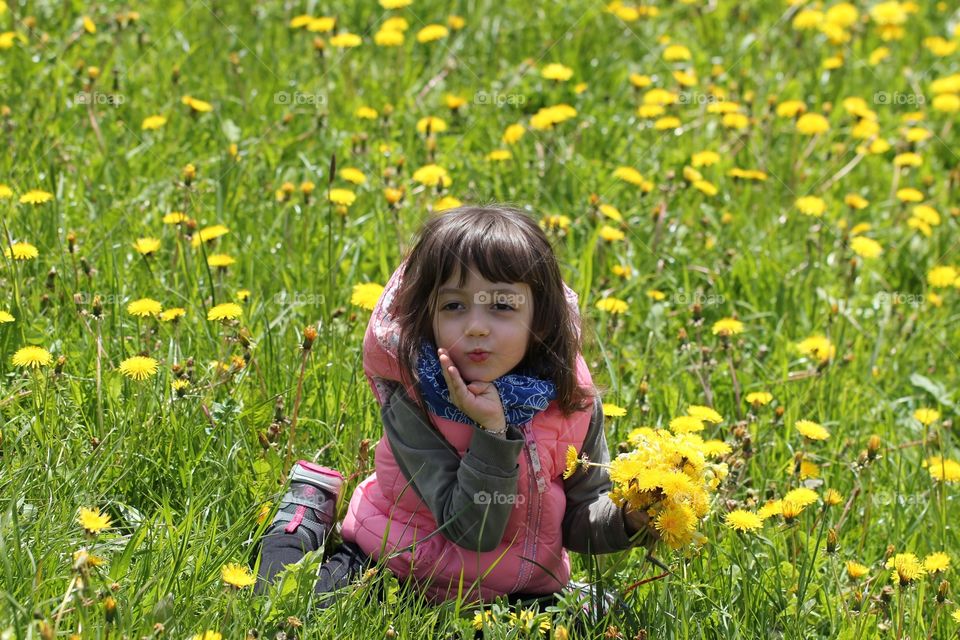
x=755, y=201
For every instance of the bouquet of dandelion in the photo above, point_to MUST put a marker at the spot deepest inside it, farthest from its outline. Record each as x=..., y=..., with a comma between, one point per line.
x=668, y=474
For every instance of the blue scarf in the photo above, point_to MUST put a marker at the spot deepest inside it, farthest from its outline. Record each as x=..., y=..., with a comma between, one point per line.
x=523, y=396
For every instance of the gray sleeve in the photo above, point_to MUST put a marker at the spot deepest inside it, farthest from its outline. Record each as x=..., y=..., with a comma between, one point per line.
x=592, y=523
x=457, y=490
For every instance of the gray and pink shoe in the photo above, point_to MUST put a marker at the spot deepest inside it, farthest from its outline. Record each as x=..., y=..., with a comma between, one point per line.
x=304, y=518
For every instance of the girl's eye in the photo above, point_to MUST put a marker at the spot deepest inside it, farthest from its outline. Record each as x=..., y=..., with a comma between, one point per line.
x=499, y=306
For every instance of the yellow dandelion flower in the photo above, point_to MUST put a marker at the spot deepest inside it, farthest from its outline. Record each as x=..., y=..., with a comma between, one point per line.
x=366, y=295
x=818, y=347
x=343, y=197
x=676, y=523
x=909, y=194
x=812, y=124
x=629, y=174
x=36, y=196
x=944, y=276
x=613, y=305
x=742, y=520
x=686, y=424
x=790, y=108
x=573, y=462
x=21, y=251
x=705, y=159
x=152, y=123
x=5, y=192
x=513, y=133
x=207, y=635
x=225, y=311
x=759, y=398
x=811, y=430
x=906, y=568
x=209, y=233
x=499, y=155
x=936, y=562
x=770, y=509
x=866, y=247
x=445, y=203
x=237, y=576
x=656, y=295
x=676, y=53
x=727, y=327
x=172, y=315
x=323, y=24
x=352, y=175
x=943, y=469
x=32, y=356
x=704, y=413
x=832, y=497
x=715, y=448
x=811, y=206
x=346, y=40
x=611, y=212
x=790, y=509
x=92, y=520
x=144, y=308
x=197, y=106
x=801, y=496
x=146, y=246
x=220, y=260
x=432, y=175
x=5, y=317
x=432, y=33
x=138, y=367
x=611, y=410
x=175, y=217
x=855, y=570
x=557, y=72
x=611, y=234
x=926, y=416
x=366, y=113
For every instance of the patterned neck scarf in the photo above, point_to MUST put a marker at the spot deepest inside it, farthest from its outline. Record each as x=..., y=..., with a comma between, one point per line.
x=523, y=396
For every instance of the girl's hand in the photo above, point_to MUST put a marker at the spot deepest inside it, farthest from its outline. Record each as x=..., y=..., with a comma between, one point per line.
x=479, y=400
x=638, y=520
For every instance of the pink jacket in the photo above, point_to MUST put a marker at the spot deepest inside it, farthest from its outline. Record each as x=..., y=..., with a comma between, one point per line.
x=386, y=517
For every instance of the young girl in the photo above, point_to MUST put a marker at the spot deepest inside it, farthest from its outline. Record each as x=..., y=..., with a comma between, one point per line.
x=473, y=352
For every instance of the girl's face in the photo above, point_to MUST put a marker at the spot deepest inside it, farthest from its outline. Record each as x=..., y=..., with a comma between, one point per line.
x=492, y=317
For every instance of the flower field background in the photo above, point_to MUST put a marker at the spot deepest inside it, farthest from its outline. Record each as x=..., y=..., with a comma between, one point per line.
x=756, y=203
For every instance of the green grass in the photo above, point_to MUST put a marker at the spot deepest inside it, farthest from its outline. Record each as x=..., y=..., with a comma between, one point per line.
x=184, y=479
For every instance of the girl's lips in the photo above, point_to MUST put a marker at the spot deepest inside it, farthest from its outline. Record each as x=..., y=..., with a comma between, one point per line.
x=478, y=356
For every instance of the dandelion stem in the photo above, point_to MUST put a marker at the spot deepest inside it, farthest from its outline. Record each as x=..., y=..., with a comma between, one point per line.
x=296, y=410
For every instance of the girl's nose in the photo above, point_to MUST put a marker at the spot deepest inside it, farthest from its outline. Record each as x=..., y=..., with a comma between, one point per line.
x=477, y=325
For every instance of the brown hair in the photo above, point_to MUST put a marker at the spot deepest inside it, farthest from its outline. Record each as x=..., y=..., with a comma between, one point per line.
x=505, y=245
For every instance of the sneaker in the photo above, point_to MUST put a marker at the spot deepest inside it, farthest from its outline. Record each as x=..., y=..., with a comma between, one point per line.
x=305, y=516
